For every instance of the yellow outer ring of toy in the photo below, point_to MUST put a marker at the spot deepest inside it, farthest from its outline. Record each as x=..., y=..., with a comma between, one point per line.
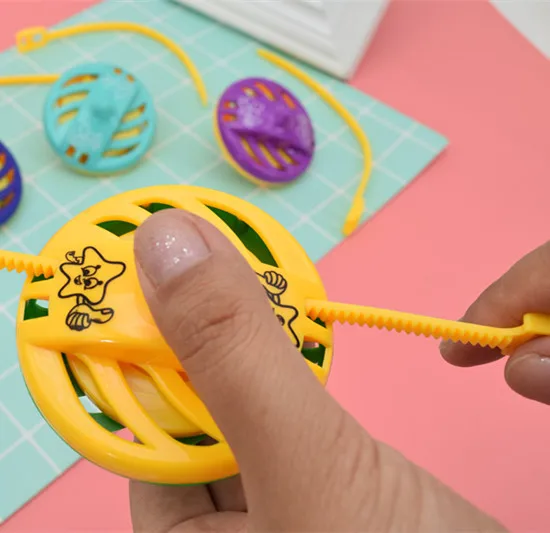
x=160, y=459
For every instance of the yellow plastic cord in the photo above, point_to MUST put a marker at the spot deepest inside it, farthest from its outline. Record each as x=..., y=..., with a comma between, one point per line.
x=358, y=203
x=506, y=339
x=34, y=38
x=29, y=79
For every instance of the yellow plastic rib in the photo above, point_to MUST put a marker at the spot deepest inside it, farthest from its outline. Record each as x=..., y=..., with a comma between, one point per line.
x=358, y=203
x=31, y=264
x=29, y=79
x=506, y=339
x=37, y=37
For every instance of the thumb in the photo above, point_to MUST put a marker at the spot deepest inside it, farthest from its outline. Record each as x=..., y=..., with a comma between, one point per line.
x=527, y=371
x=213, y=312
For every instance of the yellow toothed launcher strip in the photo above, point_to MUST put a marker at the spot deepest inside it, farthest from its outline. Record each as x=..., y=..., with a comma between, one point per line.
x=506, y=339
x=31, y=264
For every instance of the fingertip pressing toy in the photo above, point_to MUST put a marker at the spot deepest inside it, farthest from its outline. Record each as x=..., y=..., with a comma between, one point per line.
x=99, y=119
x=264, y=131
x=10, y=184
x=84, y=329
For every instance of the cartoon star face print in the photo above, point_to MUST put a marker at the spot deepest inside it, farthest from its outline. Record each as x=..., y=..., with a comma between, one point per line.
x=89, y=275
x=88, y=278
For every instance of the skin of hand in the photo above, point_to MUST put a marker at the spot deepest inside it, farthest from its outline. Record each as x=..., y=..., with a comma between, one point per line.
x=305, y=464
x=524, y=288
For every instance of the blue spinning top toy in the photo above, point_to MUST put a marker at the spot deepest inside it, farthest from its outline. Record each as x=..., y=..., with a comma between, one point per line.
x=10, y=184
x=99, y=119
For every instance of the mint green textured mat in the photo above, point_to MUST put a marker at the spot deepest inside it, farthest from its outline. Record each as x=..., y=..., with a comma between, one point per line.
x=313, y=209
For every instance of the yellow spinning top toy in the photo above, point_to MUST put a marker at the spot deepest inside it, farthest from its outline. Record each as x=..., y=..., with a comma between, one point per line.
x=84, y=328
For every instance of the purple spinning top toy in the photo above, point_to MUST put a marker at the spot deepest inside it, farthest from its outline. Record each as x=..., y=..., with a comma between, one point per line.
x=264, y=131
x=10, y=184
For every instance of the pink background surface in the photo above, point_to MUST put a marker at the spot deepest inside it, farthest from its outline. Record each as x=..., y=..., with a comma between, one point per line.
x=463, y=70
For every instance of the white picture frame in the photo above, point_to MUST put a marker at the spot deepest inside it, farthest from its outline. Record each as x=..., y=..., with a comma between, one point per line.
x=331, y=35
x=531, y=18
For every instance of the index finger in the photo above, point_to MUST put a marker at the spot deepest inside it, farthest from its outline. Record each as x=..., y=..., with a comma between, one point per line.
x=524, y=288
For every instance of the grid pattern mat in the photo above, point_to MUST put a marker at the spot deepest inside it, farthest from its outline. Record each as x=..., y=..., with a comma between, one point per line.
x=313, y=209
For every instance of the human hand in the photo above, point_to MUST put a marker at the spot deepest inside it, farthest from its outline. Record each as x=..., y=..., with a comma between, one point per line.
x=525, y=288
x=305, y=464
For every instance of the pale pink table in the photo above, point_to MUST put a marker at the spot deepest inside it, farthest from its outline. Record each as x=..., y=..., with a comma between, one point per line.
x=460, y=68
